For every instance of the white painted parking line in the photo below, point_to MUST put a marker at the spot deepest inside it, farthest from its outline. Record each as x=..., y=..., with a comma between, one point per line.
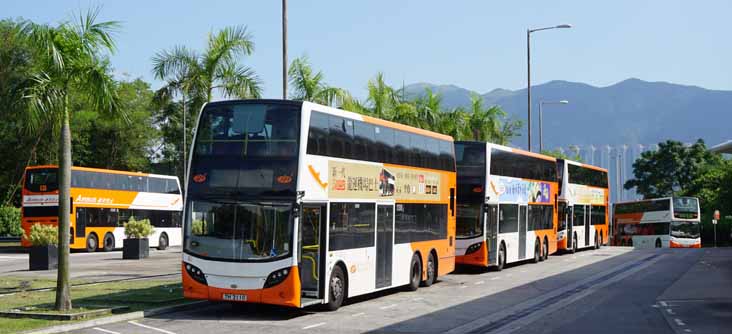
x=314, y=325
x=417, y=299
x=104, y=330
x=670, y=311
x=679, y=322
x=358, y=314
x=388, y=306
x=150, y=327
x=495, y=278
x=479, y=282
x=663, y=303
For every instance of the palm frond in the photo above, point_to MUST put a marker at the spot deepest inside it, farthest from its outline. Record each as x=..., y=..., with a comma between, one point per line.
x=238, y=80
x=44, y=98
x=226, y=45
x=175, y=64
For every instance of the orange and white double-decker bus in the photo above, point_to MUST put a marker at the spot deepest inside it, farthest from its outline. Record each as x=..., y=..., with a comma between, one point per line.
x=506, y=205
x=102, y=200
x=660, y=222
x=296, y=204
x=582, y=206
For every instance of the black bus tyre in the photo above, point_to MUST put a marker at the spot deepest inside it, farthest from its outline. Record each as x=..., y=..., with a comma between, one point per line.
x=597, y=242
x=501, y=257
x=431, y=271
x=108, y=242
x=336, y=289
x=415, y=273
x=92, y=243
x=537, y=251
x=163, y=242
x=658, y=243
x=574, y=243
x=546, y=249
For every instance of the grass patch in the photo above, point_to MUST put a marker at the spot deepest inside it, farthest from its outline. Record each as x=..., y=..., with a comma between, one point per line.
x=135, y=295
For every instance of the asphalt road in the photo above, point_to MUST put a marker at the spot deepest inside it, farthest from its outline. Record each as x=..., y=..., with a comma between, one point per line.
x=609, y=290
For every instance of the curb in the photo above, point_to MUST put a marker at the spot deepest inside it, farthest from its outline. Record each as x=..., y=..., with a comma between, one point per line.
x=117, y=318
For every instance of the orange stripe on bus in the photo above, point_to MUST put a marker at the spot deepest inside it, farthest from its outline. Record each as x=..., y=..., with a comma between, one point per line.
x=378, y=121
x=594, y=167
x=532, y=154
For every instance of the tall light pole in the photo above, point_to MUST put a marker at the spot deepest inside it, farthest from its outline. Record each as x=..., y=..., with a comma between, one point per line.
x=541, y=120
x=528, y=71
x=284, y=49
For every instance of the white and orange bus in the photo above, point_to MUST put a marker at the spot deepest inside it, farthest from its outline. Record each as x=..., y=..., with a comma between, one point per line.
x=506, y=205
x=660, y=222
x=102, y=200
x=296, y=204
x=582, y=206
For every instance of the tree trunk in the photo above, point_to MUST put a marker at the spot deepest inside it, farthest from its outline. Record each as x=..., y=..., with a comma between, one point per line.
x=63, y=292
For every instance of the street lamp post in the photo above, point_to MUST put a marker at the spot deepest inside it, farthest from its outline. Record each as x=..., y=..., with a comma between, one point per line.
x=541, y=120
x=528, y=71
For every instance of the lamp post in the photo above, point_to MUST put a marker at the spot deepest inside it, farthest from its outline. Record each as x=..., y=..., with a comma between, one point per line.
x=541, y=120
x=528, y=71
x=284, y=49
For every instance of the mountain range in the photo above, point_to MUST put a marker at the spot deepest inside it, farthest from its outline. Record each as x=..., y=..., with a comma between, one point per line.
x=630, y=112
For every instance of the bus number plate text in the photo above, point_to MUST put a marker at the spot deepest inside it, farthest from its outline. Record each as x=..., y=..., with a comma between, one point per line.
x=235, y=297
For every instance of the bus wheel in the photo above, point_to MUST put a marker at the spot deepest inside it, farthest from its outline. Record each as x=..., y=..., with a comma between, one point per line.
x=337, y=290
x=431, y=271
x=92, y=243
x=597, y=242
x=108, y=242
x=658, y=243
x=546, y=249
x=415, y=273
x=537, y=251
x=501, y=257
x=163, y=242
x=574, y=243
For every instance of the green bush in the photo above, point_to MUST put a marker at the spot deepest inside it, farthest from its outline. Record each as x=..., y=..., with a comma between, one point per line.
x=197, y=227
x=10, y=221
x=43, y=235
x=138, y=229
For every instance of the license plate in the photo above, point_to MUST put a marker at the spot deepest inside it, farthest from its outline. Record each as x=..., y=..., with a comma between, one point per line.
x=235, y=297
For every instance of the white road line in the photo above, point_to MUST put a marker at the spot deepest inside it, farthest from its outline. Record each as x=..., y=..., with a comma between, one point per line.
x=479, y=282
x=358, y=314
x=388, y=306
x=104, y=330
x=150, y=327
x=670, y=311
x=314, y=325
x=495, y=278
x=679, y=322
x=663, y=303
x=463, y=286
x=687, y=330
x=417, y=299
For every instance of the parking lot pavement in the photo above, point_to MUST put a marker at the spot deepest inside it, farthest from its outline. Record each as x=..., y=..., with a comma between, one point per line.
x=457, y=301
x=99, y=265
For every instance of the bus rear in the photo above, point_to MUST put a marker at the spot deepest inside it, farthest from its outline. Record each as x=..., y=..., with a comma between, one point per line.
x=582, y=206
x=40, y=199
x=658, y=223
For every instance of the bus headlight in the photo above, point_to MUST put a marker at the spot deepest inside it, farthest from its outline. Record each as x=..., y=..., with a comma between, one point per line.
x=196, y=273
x=276, y=277
x=560, y=235
x=473, y=248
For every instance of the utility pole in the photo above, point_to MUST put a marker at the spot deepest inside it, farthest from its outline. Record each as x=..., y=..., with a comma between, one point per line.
x=284, y=49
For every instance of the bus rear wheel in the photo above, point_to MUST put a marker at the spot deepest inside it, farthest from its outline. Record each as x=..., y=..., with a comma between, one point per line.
x=108, y=242
x=658, y=243
x=92, y=243
x=537, y=251
x=597, y=242
x=337, y=289
x=574, y=244
x=415, y=273
x=163, y=242
x=431, y=271
x=501, y=257
x=546, y=249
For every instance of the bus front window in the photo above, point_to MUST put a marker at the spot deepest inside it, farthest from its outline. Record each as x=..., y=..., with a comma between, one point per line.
x=687, y=230
x=239, y=231
x=468, y=223
x=41, y=180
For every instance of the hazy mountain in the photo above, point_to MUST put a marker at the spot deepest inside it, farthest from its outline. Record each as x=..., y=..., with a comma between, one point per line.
x=632, y=111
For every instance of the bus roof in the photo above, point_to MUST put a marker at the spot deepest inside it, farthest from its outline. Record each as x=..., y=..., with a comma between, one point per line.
x=510, y=149
x=577, y=163
x=108, y=171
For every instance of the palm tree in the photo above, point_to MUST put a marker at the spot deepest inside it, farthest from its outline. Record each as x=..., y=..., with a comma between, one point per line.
x=74, y=63
x=429, y=109
x=454, y=123
x=382, y=98
x=309, y=86
x=484, y=123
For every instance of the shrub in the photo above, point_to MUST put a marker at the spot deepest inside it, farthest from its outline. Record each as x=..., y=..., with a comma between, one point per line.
x=43, y=235
x=138, y=229
x=197, y=227
x=10, y=221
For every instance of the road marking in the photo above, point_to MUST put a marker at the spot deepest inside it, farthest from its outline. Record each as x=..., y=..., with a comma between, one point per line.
x=463, y=286
x=104, y=330
x=670, y=311
x=358, y=314
x=418, y=299
x=388, y=306
x=479, y=282
x=495, y=278
x=150, y=327
x=679, y=322
x=687, y=330
x=663, y=303
x=314, y=325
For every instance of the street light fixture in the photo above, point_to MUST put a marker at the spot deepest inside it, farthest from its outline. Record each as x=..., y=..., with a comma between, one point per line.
x=541, y=120
x=528, y=70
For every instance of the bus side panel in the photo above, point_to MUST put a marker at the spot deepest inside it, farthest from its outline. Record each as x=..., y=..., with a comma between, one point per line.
x=360, y=268
x=511, y=240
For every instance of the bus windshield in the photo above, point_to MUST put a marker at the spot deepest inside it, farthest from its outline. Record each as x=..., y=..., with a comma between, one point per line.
x=685, y=229
x=238, y=231
x=686, y=204
x=41, y=180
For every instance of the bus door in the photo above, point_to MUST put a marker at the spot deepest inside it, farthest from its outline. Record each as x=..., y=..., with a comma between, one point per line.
x=490, y=220
x=587, y=225
x=312, y=249
x=522, y=231
x=384, y=243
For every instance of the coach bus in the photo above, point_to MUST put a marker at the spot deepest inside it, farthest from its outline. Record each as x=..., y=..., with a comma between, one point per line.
x=102, y=200
x=582, y=206
x=506, y=205
x=297, y=204
x=660, y=222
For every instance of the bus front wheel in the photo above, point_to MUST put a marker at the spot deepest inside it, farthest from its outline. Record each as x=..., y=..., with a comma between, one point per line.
x=92, y=243
x=108, y=242
x=501, y=257
x=537, y=251
x=415, y=273
x=337, y=289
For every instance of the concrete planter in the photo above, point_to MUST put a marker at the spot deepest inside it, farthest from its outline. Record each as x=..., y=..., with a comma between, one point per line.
x=43, y=257
x=135, y=249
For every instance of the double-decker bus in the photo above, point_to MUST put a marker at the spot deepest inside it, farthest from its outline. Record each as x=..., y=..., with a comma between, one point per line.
x=506, y=205
x=582, y=206
x=102, y=200
x=660, y=222
x=296, y=204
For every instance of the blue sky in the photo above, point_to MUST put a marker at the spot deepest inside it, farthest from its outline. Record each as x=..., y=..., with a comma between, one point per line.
x=479, y=45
